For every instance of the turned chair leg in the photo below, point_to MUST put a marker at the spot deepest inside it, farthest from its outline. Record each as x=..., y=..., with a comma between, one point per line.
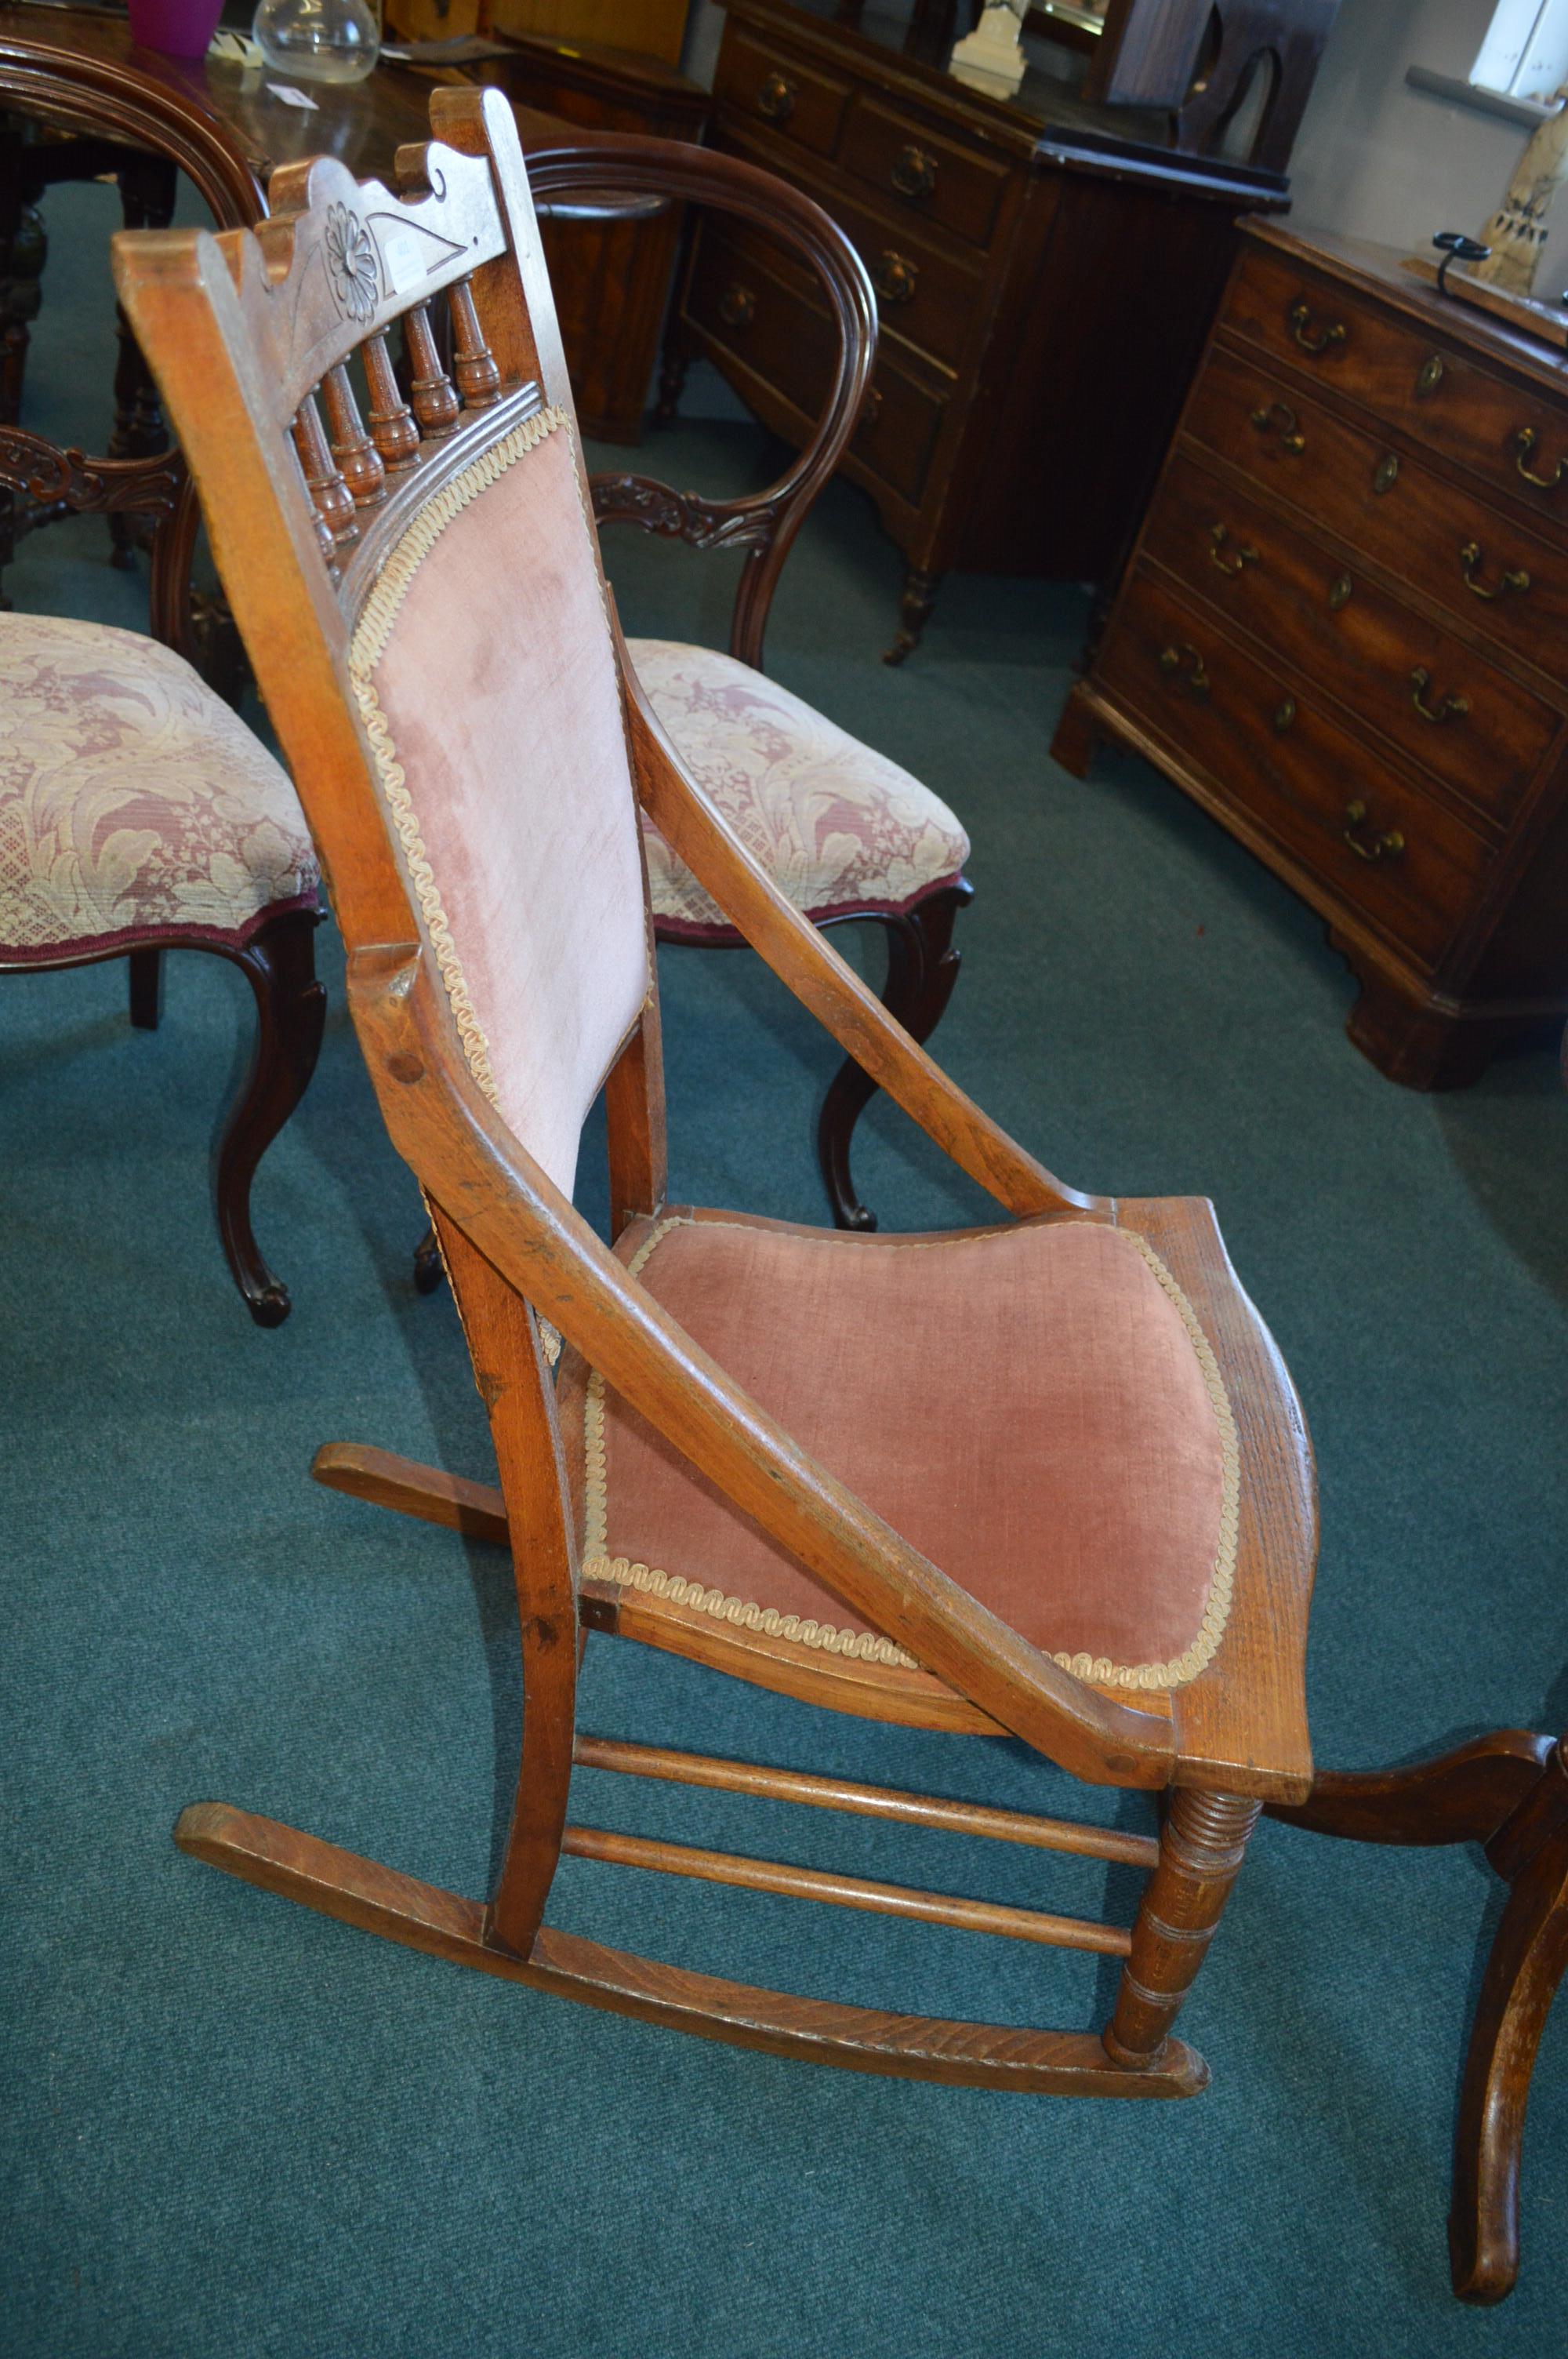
x=923, y=967
x=916, y=602
x=279, y=964
x=1201, y=1851
x=146, y=988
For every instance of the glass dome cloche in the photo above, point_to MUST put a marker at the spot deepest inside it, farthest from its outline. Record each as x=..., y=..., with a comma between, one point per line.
x=318, y=41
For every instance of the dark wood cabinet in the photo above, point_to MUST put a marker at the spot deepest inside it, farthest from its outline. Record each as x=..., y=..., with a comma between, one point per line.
x=1046, y=272
x=1344, y=634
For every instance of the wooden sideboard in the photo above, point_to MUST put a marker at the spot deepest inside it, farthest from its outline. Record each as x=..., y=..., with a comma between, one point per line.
x=1046, y=272
x=1345, y=633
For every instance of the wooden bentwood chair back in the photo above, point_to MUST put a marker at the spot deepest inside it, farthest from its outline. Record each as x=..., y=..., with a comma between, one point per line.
x=470, y=743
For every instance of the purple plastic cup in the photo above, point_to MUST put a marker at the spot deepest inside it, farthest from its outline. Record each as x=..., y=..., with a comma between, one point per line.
x=180, y=29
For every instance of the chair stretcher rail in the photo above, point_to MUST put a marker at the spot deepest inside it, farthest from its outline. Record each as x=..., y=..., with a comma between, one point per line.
x=845, y=1891
x=866, y=1801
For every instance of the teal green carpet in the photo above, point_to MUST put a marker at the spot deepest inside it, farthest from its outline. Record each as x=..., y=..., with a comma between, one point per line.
x=230, y=2127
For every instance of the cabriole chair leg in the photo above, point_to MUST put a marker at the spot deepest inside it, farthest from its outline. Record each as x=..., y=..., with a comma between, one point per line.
x=146, y=988
x=1201, y=1850
x=278, y=964
x=923, y=967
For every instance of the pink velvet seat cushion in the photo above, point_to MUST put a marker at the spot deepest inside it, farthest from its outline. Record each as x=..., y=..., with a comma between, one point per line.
x=134, y=804
x=836, y=826
x=1036, y=1409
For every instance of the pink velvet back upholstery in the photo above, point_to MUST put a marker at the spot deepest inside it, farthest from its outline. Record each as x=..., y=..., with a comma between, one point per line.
x=484, y=671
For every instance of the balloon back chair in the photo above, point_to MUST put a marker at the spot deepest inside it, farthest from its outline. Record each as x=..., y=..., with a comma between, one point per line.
x=1046, y=1477
x=137, y=813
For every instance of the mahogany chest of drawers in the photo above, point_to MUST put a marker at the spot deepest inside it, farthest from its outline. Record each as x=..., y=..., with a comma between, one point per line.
x=1046, y=272
x=1345, y=633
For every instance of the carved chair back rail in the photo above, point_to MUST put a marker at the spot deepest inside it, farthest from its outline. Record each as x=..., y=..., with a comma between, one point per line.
x=419, y=588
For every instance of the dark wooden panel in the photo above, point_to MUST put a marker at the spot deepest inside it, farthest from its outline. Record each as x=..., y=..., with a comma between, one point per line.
x=1334, y=627
x=1331, y=800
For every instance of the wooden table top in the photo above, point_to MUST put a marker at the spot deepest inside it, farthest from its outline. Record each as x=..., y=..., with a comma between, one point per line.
x=362, y=124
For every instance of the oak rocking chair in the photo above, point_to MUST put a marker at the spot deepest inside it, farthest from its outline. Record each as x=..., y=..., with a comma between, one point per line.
x=1104, y=1541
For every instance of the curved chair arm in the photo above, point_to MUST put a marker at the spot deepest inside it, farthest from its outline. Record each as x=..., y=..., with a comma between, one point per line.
x=132, y=102
x=766, y=523
x=827, y=985
x=510, y=1210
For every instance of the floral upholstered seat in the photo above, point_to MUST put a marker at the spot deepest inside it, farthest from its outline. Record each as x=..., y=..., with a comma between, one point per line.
x=838, y=827
x=135, y=806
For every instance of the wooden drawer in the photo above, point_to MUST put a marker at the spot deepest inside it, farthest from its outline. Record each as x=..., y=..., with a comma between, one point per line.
x=1431, y=389
x=926, y=298
x=1406, y=863
x=1329, y=624
x=789, y=99
x=914, y=168
x=1479, y=561
x=770, y=327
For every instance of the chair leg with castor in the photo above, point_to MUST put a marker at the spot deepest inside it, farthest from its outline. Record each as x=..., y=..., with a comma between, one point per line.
x=1201, y=1850
x=278, y=962
x=923, y=967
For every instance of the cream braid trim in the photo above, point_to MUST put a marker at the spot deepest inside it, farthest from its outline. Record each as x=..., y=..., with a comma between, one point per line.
x=366, y=648
x=867, y=1646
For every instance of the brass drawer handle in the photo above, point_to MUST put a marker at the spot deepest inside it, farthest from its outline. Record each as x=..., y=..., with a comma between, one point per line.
x=737, y=304
x=1299, y=320
x=776, y=99
x=1516, y=577
x=1341, y=591
x=915, y=172
x=1386, y=474
x=1284, y=715
x=1524, y=443
x=1387, y=846
x=1186, y=660
x=1279, y=418
x=1450, y=708
x=895, y=278
x=1245, y=555
x=1429, y=376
